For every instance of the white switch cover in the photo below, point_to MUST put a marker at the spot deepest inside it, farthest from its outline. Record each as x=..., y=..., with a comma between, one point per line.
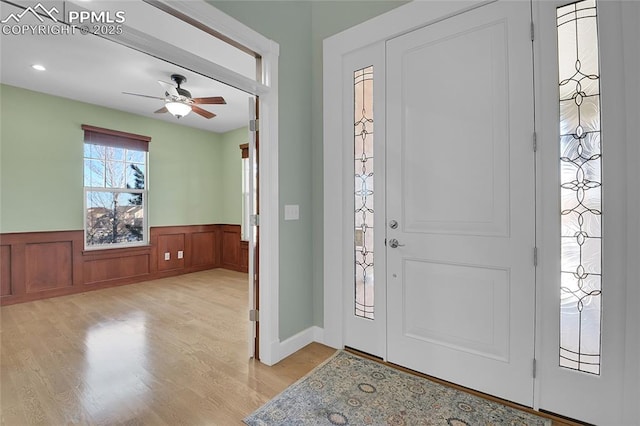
x=167, y=256
x=180, y=254
x=291, y=212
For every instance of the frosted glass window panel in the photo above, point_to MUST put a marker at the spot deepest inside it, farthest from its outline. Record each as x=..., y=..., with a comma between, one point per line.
x=364, y=173
x=591, y=224
x=580, y=325
x=580, y=187
x=580, y=149
x=363, y=139
x=364, y=294
x=363, y=192
x=587, y=55
x=580, y=119
x=591, y=255
x=570, y=119
x=570, y=255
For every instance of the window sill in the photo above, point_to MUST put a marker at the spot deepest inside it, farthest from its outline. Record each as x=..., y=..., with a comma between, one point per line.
x=116, y=250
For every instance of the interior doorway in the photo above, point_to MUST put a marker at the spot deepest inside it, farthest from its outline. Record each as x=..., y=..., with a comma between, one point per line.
x=152, y=31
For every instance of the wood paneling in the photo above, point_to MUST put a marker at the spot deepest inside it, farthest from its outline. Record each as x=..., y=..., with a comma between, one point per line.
x=38, y=265
x=203, y=248
x=49, y=266
x=41, y=264
x=101, y=269
x=231, y=244
x=170, y=244
x=5, y=271
x=200, y=245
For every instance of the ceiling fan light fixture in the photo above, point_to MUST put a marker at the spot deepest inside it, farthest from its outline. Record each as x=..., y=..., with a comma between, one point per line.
x=178, y=109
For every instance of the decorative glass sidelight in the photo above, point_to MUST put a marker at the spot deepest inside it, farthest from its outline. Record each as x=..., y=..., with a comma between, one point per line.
x=580, y=187
x=363, y=191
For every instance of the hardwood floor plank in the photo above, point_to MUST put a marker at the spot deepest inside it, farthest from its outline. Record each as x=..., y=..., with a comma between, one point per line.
x=164, y=352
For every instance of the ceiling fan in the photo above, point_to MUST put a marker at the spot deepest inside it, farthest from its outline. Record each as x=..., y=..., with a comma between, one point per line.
x=178, y=101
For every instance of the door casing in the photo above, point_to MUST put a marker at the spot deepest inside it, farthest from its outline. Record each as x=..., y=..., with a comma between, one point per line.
x=207, y=16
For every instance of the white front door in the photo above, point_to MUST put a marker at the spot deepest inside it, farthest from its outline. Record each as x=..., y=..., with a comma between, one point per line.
x=461, y=186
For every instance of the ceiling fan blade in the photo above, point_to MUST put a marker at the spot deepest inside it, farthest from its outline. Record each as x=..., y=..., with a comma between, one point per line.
x=144, y=96
x=169, y=88
x=202, y=112
x=219, y=100
x=161, y=110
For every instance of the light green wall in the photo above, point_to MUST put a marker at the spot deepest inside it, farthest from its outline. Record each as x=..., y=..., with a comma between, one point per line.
x=232, y=174
x=41, y=164
x=299, y=27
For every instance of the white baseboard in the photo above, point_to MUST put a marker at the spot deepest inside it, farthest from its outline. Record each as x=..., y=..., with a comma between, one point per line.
x=293, y=344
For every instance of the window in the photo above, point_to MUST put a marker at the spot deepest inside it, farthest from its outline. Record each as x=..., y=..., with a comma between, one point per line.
x=363, y=192
x=115, y=188
x=580, y=187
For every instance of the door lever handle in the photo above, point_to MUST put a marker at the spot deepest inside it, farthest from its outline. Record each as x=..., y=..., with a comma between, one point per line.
x=393, y=243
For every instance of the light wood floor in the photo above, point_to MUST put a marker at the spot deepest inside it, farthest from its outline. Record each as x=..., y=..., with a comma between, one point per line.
x=165, y=352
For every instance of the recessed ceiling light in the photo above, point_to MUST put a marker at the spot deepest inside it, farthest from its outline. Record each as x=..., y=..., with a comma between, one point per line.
x=38, y=67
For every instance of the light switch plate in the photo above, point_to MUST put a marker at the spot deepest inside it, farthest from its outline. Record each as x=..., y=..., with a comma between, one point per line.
x=291, y=212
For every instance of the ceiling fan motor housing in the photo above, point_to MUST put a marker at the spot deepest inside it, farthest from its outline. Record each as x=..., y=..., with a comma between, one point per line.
x=179, y=79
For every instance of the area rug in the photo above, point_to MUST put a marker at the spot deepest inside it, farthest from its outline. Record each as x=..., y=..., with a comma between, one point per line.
x=351, y=390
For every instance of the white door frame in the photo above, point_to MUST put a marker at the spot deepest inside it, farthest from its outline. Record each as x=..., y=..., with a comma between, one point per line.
x=418, y=14
x=208, y=16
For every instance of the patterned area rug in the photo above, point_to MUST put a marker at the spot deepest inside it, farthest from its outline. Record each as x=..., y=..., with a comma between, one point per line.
x=350, y=390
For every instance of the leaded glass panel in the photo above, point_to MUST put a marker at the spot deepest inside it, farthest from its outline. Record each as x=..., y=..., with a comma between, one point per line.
x=580, y=187
x=363, y=191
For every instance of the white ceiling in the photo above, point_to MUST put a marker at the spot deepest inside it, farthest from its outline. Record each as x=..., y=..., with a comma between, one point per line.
x=94, y=70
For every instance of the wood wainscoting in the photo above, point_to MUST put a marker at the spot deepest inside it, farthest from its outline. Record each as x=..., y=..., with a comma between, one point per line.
x=39, y=265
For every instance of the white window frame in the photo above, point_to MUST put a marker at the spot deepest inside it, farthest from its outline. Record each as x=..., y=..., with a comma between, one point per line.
x=145, y=203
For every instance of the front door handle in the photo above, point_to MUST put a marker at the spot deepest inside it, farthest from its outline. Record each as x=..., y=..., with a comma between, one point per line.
x=393, y=243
